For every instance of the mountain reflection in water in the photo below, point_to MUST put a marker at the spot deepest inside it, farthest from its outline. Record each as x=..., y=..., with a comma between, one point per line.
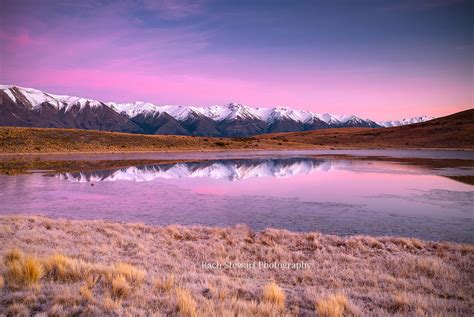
x=327, y=194
x=232, y=170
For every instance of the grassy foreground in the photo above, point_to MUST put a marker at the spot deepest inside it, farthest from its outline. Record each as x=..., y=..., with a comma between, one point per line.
x=65, y=267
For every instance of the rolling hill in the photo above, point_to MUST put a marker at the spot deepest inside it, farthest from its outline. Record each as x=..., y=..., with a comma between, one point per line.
x=453, y=131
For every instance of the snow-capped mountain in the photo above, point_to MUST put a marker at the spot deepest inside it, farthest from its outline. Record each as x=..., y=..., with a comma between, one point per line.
x=34, y=108
x=397, y=123
x=31, y=107
x=255, y=120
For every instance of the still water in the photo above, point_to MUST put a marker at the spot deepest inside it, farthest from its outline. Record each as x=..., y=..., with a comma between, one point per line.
x=335, y=195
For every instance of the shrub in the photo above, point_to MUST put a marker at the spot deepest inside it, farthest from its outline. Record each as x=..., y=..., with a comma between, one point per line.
x=274, y=294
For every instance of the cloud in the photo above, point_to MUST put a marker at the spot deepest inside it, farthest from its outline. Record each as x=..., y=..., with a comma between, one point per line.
x=174, y=9
x=159, y=51
x=420, y=5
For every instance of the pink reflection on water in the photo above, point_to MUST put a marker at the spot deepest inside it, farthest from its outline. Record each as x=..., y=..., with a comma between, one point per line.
x=332, y=196
x=340, y=185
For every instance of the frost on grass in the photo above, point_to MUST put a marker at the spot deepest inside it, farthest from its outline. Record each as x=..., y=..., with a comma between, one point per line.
x=186, y=304
x=332, y=306
x=64, y=267
x=273, y=293
x=22, y=270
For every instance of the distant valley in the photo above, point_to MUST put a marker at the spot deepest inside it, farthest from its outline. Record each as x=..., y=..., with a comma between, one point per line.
x=27, y=107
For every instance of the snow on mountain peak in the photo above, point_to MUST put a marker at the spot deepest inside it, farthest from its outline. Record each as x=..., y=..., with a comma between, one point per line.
x=396, y=123
x=218, y=113
x=328, y=118
x=280, y=113
x=134, y=108
x=37, y=97
x=67, y=102
x=239, y=111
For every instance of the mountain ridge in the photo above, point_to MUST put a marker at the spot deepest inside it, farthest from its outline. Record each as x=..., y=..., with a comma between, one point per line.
x=35, y=108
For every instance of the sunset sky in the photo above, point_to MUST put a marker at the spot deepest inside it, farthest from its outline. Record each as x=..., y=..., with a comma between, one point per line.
x=378, y=59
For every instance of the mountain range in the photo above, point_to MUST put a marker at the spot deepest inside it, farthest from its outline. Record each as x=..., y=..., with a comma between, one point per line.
x=27, y=107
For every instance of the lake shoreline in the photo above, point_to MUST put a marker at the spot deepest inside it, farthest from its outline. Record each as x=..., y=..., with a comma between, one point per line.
x=77, y=163
x=232, y=150
x=359, y=274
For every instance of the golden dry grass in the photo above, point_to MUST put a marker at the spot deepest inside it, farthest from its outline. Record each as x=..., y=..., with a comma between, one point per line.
x=62, y=268
x=105, y=268
x=26, y=270
x=186, y=304
x=120, y=287
x=129, y=273
x=45, y=140
x=12, y=255
x=110, y=304
x=86, y=292
x=273, y=293
x=166, y=283
x=332, y=305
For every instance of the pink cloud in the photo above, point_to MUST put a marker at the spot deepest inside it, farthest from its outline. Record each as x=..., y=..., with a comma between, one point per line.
x=106, y=56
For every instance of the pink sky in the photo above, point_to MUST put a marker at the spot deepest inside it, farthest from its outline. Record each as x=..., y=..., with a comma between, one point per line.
x=106, y=54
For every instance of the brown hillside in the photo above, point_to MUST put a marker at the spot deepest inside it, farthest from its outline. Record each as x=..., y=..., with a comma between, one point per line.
x=450, y=132
x=53, y=140
x=453, y=131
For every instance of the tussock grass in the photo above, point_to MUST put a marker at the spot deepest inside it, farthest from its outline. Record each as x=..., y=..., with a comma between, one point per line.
x=24, y=271
x=129, y=273
x=165, y=284
x=12, y=255
x=86, y=292
x=332, y=306
x=400, y=302
x=111, y=304
x=62, y=268
x=18, y=310
x=273, y=293
x=89, y=268
x=120, y=287
x=186, y=304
